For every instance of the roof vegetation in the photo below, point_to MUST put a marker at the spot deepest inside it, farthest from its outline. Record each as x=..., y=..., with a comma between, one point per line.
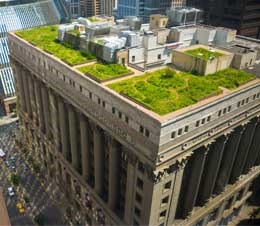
x=204, y=54
x=105, y=71
x=164, y=91
x=46, y=39
x=93, y=19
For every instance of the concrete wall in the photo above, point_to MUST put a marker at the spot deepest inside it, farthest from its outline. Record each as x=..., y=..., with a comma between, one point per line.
x=205, y=36
x=224, y=36
x=218, y=64
x=188, y=62
x=243, y=61
x=138, y=54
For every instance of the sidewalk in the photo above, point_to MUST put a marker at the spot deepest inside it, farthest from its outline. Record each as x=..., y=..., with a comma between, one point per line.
x=8, y=119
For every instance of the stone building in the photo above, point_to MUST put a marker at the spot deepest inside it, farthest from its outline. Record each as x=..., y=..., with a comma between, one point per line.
x=122, y=164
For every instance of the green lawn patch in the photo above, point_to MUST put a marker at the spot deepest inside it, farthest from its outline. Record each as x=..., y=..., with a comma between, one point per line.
x=105, y=72
x=203, y=54
x=46, y=39
x=165, y=91
x=93, y=19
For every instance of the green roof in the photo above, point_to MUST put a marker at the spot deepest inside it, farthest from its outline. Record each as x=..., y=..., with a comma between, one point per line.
x=164, y=91
x=104, y=72
x=46, y=39
x=203, y=54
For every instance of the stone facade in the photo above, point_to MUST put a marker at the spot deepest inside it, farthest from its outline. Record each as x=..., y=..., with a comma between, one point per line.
x=120, y=164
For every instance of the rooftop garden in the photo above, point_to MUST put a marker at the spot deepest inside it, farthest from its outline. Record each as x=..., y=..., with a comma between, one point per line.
x=165, y=90
x=204, y=54
x=46, y=39
x=93, y=19
x=104, y=72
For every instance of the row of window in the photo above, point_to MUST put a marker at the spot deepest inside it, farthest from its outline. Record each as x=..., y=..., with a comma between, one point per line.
x=207, y=119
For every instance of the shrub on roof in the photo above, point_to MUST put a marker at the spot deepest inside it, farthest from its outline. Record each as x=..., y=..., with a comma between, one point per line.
x=165, y=91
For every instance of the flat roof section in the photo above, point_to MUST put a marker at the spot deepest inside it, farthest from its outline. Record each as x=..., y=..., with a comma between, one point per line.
x=203, y=52
x=165, y=91
x=45, y=38
x=4, y=218
x=164, y=97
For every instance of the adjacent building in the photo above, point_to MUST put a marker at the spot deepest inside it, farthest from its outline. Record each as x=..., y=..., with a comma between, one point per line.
x=89, y=8
x=121, y=163
x=19, y=17
x=242, y=15
x=108, y=7
x=144, y=8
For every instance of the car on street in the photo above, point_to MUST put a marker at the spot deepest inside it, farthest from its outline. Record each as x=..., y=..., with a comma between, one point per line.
x=20, y=208
x=11, y=192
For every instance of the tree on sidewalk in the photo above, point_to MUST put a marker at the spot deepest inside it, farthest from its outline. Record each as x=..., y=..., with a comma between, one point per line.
x=15, y=179
x=40, y=219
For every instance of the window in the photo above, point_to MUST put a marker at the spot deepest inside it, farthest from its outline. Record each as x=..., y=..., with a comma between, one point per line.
x=159, y=56
x=165, y=200
x=126, y=119
x=138, y=198
x=141, y=129
x=203, y=121
x=163, y=213
x=179, y=132
x=147, y=133
x=254, y=97
x=137, y=212
x=229, y=108
x=99, y=101
x=243, y=101
x=168, y=185
x=186, y=129
x=208, y=119
x=103, y=103
x=80, y=88
x=229, y=202
x=224, y=111
x=140, y=183
x=219, y=113
x=247, y=100
x=141, y=167
x=173, y=135
x=258, y=95
x=120, y=114
x=113, y=110
x=238, y=104
x=240, y=194
x=90, y=95
x=64, y=78
x=198, y=123
x=133, y=58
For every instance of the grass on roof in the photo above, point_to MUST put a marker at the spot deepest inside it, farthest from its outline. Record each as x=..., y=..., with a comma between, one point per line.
x=46, y=39
x=203, y=54
x=105, y=71
x=165, y=90
x=93, y=19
